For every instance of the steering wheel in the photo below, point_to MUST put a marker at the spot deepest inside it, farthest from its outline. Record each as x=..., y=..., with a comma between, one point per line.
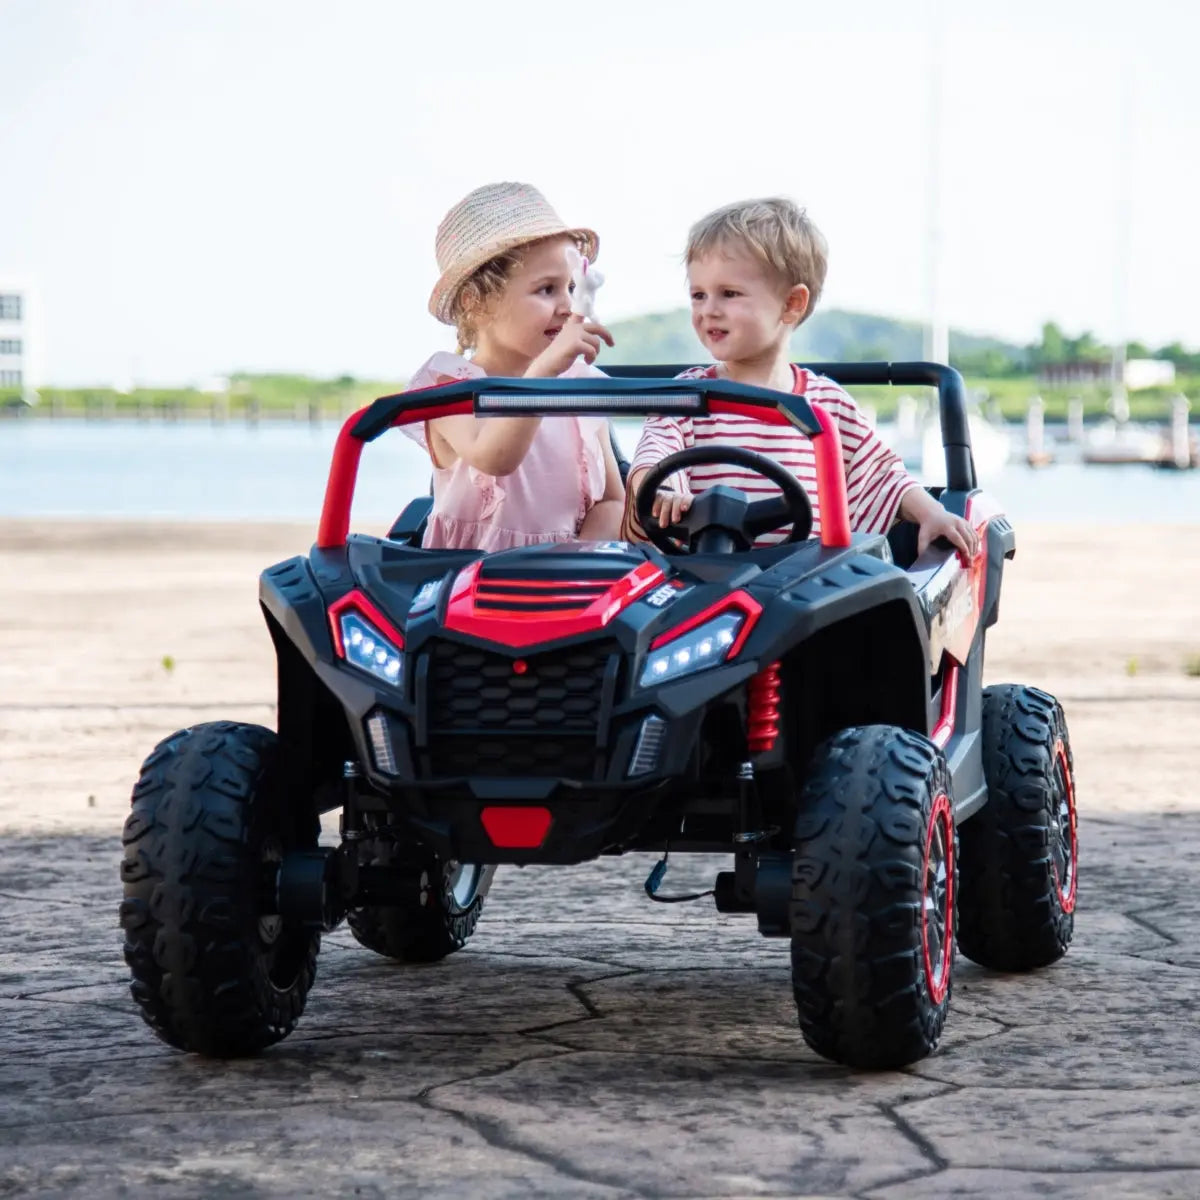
x=731, y=511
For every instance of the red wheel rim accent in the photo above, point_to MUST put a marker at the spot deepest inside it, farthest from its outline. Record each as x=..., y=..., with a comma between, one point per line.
x=937, y=975
x=1067, y=898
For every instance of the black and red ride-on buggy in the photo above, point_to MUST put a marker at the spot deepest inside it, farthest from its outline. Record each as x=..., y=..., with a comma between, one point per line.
x=813, y=710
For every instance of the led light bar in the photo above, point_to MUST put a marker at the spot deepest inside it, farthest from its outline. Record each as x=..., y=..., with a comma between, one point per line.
x=381, y=744
x=659, y=402
x=645, y=753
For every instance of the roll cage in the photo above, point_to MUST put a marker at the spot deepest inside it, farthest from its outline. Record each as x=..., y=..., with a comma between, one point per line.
x=652, y=391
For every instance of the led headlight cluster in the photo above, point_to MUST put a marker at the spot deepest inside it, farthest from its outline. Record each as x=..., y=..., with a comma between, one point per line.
x=705, y=646
x=366, y=648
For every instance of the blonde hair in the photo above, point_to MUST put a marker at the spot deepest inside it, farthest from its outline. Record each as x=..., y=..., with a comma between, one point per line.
x=483, y=286
x=776, y=231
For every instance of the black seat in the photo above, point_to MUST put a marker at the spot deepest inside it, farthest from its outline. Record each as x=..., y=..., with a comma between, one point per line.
x=409, y=526
x=622, y=461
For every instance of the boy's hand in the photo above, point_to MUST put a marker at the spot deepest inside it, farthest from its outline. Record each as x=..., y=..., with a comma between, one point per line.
x=954, y=529
x=577, y=336
x=669, y=506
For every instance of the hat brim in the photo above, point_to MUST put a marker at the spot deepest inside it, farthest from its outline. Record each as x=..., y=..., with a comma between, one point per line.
x=441, y=299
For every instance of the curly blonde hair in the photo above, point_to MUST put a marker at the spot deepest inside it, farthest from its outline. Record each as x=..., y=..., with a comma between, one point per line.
x=481, y=288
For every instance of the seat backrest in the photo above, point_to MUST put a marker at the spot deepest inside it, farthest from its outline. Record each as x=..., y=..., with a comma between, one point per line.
x=622, y=461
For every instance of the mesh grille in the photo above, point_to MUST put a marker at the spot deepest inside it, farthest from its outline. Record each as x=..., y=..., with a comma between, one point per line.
x=486, y=718
x=477, y=691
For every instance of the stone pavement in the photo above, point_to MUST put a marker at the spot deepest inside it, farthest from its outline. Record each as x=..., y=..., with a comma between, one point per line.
x=590, y=1043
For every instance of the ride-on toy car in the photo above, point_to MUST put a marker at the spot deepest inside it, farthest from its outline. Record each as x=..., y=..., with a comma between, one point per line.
x=813, y=710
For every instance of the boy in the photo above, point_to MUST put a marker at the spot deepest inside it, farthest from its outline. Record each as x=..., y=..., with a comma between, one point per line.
x=755, y=271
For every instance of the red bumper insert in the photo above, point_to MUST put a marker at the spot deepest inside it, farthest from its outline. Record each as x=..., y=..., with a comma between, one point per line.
x=516, y=828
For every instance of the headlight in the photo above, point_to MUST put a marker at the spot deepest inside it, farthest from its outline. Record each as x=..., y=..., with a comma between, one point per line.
x=707, y=645
x=366, y=648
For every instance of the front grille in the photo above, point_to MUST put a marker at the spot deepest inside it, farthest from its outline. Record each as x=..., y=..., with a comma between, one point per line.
x=478, y=691
x=538, y=715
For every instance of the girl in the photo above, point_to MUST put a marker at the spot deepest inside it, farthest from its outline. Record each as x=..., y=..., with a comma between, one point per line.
x=506, y=285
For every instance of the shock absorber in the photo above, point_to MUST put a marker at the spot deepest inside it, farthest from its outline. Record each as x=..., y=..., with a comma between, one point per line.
x=762, y=709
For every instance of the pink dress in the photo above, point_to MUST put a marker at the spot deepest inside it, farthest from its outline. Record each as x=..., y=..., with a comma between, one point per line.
x=544, y=500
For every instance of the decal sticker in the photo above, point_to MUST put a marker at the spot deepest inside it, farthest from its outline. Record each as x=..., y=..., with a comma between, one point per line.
x=952, y=620
x=426, y=596
x=661, y=597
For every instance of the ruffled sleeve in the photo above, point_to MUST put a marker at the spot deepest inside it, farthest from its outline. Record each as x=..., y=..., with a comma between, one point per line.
x=442, y=367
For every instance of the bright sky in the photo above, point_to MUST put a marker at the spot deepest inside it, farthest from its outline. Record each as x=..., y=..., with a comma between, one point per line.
x=200, y=186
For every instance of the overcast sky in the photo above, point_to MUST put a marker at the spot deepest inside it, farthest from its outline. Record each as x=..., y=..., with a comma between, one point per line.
x=255, y=184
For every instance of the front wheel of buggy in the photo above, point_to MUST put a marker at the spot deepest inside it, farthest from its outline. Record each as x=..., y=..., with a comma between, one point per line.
x=873, y=898
x=215, y=969
x=1020, y=852
x=438, y=908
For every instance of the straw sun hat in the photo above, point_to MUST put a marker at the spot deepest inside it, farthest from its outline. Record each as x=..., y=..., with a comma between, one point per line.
x=490, y=221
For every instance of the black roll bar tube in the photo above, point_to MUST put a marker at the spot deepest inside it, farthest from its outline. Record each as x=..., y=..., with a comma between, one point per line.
x=952, y=400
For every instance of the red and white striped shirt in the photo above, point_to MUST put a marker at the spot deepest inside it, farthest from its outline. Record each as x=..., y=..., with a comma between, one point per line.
x=876, y=480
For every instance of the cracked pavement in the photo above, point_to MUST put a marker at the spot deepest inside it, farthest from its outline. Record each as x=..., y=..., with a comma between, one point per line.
x=590, y=1043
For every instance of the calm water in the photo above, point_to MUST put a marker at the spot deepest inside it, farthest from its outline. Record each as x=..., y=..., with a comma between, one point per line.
x=277, y=471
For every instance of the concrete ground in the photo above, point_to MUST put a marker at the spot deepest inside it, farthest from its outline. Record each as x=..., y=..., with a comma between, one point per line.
x=587, y=1042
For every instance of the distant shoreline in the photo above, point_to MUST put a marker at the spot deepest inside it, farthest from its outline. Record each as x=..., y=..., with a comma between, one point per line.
x=882, y=406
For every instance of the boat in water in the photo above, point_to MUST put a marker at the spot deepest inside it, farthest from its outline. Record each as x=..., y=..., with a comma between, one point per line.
x=917, y=437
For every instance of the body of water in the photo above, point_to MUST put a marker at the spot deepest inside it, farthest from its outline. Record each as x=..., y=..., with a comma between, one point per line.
x=277, y=471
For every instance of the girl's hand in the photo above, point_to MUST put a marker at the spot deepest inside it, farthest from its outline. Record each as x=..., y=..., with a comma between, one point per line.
x=940, y=523
x=576, y=337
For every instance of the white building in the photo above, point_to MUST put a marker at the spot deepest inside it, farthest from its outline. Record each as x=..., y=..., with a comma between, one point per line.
x=20, y=339
x=1148, y=372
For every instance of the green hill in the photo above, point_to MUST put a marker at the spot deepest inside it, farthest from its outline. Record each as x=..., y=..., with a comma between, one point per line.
x=831, y=335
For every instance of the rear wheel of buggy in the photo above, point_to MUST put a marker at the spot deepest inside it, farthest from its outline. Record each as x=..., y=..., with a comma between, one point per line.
x=215, y=969
x=873, y=898
x=440, y=903
x=1020, y=852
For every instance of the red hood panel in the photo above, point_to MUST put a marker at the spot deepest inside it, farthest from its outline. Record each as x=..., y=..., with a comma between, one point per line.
x=518, y=610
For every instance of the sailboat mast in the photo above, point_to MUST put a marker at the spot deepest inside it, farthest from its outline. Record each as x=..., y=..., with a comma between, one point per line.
x=937, y=332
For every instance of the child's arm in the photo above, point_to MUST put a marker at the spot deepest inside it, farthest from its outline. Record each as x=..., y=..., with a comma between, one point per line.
x=498, y=445
x=933, y=521
x=660, y=436
x=495, y=445
x=878, y=488
x=603, y=520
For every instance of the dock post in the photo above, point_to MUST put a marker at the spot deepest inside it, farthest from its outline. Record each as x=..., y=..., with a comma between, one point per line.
x=1075, y=419
x=1035, y=432
x=1181, y=447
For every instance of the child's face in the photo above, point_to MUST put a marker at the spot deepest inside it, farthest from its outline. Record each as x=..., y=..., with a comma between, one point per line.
x=527, y=316
x=740, y=308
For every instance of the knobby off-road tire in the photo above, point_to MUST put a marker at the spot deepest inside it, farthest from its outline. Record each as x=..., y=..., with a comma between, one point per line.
x=441, y=906
x=1020, y=852
x=873, y=898
x=214, y=971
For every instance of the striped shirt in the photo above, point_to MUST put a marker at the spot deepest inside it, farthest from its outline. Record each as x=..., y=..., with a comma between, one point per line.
x=876, y=480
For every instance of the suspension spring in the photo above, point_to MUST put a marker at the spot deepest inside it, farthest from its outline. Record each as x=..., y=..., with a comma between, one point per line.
x=762, y=709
